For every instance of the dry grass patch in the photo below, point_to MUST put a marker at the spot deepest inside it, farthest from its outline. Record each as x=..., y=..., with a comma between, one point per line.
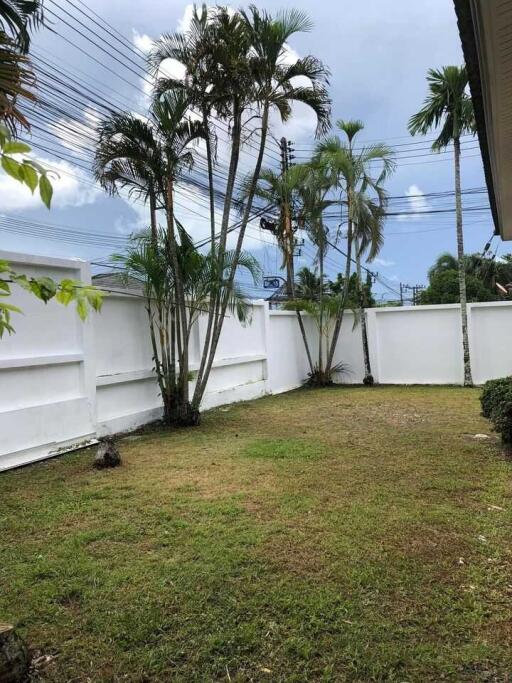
x=349, y=534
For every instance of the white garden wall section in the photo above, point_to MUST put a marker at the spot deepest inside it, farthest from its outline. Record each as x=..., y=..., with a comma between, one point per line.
x=64, y=383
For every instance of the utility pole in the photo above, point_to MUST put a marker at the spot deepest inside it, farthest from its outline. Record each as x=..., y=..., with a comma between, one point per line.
x=415, y=289
x=286, y=220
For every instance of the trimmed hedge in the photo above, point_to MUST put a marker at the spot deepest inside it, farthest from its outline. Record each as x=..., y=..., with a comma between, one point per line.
x=496, y=402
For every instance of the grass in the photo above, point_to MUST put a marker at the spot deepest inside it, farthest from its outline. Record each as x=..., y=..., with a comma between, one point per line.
x=348, y=534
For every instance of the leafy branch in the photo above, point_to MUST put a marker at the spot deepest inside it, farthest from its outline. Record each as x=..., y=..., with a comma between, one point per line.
x=45, y=289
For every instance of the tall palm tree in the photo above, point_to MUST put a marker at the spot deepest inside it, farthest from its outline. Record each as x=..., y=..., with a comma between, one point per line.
x=363, y=195
x=245, y=67
x=448, y=105
x=171, y=114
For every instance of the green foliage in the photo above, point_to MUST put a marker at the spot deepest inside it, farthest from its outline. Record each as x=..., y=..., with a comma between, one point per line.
x=17, y=19
x=482, y=276
x=337, y=286
x=148, y=261
x=321, y=377
x=444, y=289
x=447, y=105
x=45, y=289
x=496, y=402
x=26, y=171
x=492, y=393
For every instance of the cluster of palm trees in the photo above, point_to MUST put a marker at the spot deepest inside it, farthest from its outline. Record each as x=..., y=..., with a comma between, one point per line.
x=237, y=70
x=339, y=174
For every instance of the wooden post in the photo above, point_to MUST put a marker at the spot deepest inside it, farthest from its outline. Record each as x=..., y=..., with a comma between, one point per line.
x=14, y=656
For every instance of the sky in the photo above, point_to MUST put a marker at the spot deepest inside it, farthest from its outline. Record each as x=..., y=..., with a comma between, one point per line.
x=378, y=54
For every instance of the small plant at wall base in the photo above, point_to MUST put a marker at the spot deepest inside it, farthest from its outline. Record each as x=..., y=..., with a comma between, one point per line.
x=496, y=402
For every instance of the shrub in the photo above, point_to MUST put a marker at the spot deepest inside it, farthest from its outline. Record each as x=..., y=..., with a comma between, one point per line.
x=492, y=392
x=496, y=401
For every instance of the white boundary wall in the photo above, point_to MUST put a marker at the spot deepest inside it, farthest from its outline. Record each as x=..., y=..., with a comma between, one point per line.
x=64, y=383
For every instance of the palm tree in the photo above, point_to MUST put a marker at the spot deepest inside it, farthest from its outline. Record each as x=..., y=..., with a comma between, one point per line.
x=365, y=200
x=147, y=157
x=171, y=114
x=242, y=66
x=281, y=190
x=147, y=261
x=129, y=156
x=449, y=105
x=17, y=79
x=193, y=50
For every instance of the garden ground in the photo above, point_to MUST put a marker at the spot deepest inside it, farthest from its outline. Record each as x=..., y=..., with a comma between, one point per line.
x=346, y=534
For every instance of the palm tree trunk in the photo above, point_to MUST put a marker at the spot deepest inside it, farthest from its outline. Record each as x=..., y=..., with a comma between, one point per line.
x=362, y=316
x=209, y=163
x=468, y=379
x=321, y=317
x=152, y=213
x=158, y=365
x=181, y=308
x=215, y=306
x=291, y=292
x=343, y=303
x=223, y=295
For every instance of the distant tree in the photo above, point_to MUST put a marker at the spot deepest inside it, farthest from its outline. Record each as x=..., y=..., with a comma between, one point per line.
x=444, y=289
x=449, y=106
x=337, y=286
x=482, y=276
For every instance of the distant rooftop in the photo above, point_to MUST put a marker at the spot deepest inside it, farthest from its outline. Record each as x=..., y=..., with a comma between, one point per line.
x=118, y=282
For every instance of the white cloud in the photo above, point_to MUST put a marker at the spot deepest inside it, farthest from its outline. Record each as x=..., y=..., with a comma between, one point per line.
x=70, y=188
x=142, y=41
x=184, y=22
x=417, y=203
x=74, y=138
x=383, y=262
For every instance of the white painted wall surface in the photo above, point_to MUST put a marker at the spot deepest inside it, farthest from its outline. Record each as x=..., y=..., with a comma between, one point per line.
x=47, y=373
x=64, y=382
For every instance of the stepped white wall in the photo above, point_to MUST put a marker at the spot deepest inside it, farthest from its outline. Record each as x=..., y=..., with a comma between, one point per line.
x=65, y=382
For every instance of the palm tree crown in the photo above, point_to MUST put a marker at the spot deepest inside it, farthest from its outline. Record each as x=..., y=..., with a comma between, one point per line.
x=447, y=105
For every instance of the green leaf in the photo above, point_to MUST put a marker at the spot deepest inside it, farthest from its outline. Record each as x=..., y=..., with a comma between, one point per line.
x=15, y=147
x=81, y=307
x=12, y=167
x=4, y=134
x=45, y=190
x=35, y=165
x=22, y=281
x=4, y=266
x=64, y=296
x=30, y=177
x=11, y=307
x=47, y=288
x=4, y=286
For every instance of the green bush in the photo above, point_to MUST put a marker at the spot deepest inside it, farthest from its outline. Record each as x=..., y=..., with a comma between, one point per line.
x=496, y=401
x=492, y=392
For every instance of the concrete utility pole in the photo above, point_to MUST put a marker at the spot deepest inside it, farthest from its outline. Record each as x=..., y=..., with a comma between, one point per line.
x=415, y=289
x=286, y=222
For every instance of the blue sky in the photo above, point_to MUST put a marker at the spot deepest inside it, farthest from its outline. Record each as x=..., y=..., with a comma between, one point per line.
x=378, y=54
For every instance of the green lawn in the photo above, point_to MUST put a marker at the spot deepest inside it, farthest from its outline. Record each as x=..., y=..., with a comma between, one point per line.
x=347, y=534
